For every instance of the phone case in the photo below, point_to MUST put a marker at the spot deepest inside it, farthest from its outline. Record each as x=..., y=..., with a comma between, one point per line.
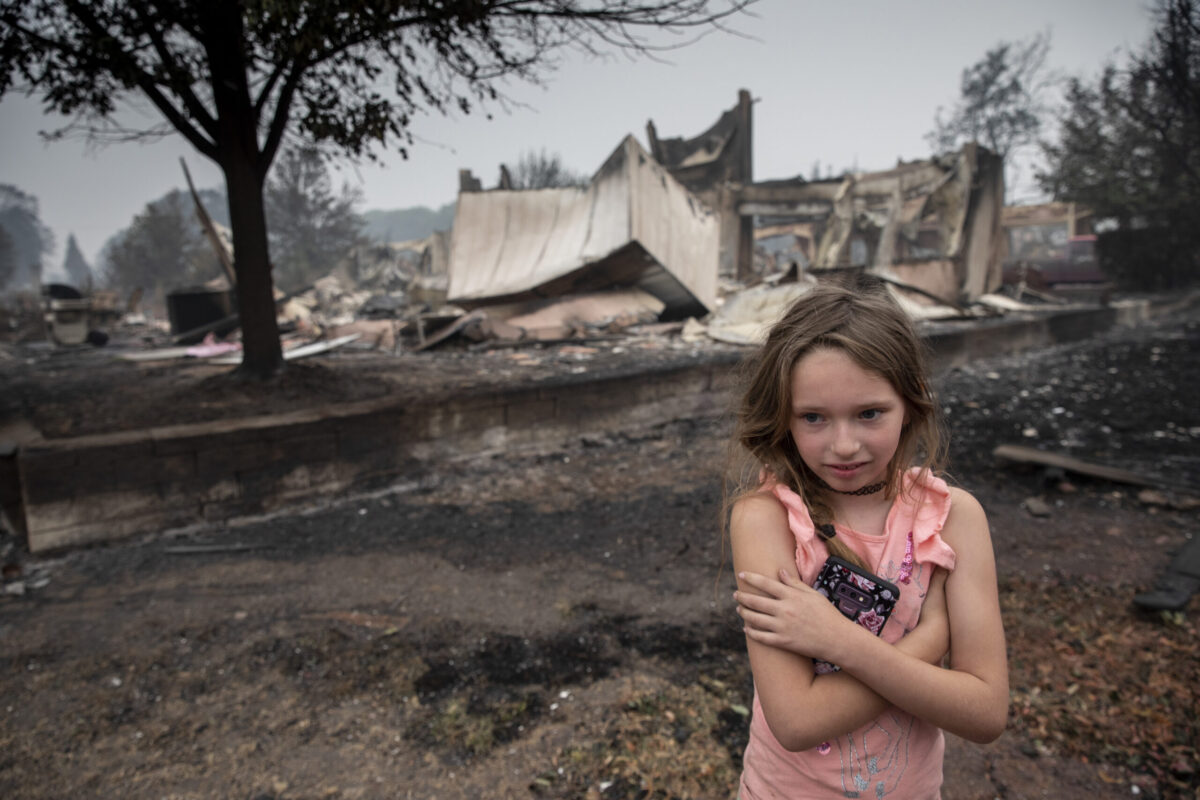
x=862, y=596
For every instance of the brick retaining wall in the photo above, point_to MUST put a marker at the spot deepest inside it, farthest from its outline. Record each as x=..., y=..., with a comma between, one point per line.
x=105, y=487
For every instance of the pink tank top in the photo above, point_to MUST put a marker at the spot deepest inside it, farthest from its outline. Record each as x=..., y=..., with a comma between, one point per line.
x=896, y=755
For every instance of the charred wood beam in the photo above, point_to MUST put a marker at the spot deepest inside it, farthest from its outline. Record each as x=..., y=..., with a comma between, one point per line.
x=785, y=209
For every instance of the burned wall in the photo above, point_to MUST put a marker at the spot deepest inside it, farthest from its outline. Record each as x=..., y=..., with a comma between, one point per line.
x=715, y=166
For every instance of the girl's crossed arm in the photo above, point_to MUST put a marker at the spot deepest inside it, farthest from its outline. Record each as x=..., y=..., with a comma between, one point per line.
x=970, y=699
x=801, y=708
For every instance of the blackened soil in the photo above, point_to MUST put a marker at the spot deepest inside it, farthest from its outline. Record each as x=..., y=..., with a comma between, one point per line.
x=559, y=625
x=1120, y=400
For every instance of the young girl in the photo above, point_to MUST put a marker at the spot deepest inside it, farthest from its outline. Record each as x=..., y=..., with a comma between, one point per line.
x=835, y=414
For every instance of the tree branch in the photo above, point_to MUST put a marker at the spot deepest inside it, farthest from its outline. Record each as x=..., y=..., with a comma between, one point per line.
x=279, y=120
x=141, y=78
x=179, y=79
x=265, y=93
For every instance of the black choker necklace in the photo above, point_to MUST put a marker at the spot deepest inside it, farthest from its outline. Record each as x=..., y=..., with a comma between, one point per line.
x=870, y=488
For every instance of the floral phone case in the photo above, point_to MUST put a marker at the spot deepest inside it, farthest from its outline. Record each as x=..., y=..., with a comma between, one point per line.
x=862, y=596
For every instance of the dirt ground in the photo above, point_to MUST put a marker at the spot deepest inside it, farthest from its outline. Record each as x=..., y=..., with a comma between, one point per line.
x=559, y=625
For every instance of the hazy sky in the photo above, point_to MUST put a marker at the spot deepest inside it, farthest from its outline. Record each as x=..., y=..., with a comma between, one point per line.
x=849, y=83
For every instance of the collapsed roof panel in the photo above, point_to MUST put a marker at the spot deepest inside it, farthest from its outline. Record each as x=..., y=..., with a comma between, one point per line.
x=633, y=225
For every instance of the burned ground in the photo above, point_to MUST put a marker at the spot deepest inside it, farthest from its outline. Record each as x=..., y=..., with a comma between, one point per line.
x=84, y=390
x=558, y=625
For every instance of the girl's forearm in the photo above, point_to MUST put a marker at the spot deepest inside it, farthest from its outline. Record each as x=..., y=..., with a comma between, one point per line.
x=954, y=700
x=838, y=703
x=832, y=706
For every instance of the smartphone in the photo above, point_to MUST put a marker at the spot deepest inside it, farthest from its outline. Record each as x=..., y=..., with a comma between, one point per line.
x=861, y=596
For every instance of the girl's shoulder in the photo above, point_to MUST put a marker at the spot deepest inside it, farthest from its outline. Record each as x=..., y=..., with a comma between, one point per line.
x=939, y=485
x=755, y=508
x=925, y=487
x=962, y=502
x=759, y=534
x=966, y=524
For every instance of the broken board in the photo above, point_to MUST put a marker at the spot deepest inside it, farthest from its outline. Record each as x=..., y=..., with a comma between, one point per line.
x=315, y=348
x=1030, y=455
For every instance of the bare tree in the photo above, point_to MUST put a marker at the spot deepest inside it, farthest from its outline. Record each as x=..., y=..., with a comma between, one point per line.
x=1002, y=100
x=543, y=171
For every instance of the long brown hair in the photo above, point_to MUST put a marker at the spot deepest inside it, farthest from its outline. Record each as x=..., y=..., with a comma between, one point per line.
x=859, y=317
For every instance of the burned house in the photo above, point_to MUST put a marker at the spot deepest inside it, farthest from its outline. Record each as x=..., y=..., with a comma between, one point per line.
x=673, y=221
x=931, y=224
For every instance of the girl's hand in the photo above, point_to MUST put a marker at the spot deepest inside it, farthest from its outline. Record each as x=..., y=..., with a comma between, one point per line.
x=789, y=615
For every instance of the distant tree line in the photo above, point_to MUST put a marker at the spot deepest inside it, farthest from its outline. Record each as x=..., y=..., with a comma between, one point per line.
x=311, y=228
x=1129, y=148
x=542, y=170
x=24, y=240
x=1126, y=144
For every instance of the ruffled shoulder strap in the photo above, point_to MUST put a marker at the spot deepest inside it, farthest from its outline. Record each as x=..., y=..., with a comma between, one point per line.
x=922, y=508
x=810, y=550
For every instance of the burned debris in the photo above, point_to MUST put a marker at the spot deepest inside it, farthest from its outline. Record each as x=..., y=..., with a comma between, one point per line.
x=1052, y=253
x=674, y=232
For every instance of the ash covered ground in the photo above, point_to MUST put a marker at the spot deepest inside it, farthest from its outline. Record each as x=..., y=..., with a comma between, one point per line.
x=559, y=625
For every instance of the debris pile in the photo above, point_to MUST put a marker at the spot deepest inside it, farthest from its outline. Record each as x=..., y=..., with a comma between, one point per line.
x=677, y=236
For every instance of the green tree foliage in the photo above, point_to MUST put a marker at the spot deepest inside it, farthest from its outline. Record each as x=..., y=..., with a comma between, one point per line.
x=162, y=249
x=1002, y=100
x=75, y=267
x=235, y=78
x=29, y=240
x=311, y=227
x=1129, y=148
x=542, y=170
